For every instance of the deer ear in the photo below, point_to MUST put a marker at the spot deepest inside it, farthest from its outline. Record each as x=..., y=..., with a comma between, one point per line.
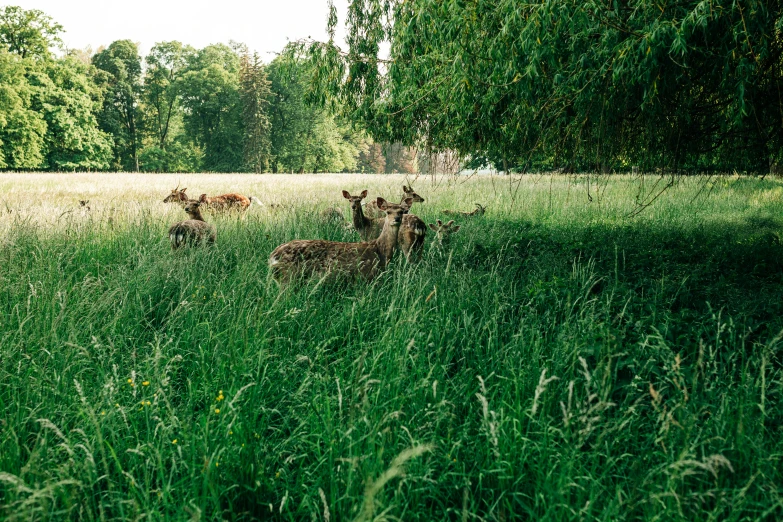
x=183, y=190
x=440, y=223
x=450, y=223
x=433, y=227
x=456, y=228
x=363, y=194
x=407, y=190
x=380, y=203
x=346, y=194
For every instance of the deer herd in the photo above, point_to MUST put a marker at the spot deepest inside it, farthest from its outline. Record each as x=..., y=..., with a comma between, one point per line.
x=383, y=227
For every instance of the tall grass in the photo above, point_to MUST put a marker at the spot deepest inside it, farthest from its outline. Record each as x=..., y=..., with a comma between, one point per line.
x=562, y=360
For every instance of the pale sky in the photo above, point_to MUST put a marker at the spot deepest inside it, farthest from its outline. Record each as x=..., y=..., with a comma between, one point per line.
x=263, y=25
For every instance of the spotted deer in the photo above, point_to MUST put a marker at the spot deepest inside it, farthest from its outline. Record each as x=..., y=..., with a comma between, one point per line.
x=177, y=196
x=371, y=211
x=227, y=202
x=478, y=211
x=318, y=257
x=443, y=232
x=412, y=230
x=192, y=231
x=332, y=215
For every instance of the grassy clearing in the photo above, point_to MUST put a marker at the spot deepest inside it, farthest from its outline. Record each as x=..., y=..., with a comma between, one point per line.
x=561, y=361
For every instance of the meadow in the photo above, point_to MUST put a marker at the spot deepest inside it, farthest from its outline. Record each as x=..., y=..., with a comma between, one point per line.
x=572, y=355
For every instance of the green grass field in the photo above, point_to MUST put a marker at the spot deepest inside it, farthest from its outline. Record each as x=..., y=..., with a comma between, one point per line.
x=565, y=359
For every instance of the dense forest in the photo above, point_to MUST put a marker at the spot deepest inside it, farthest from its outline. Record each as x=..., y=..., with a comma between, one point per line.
x=573, y=84
x=683, y=85
x=176, y=109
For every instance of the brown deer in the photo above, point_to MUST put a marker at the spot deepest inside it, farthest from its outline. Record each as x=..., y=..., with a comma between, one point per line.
x=227, y=202
x=412, y=230
x=371, y=211
x=478, y=211
x=332, y=215
x=318, y=257
x=443, y=232
x=177, y=196
x=192, y=231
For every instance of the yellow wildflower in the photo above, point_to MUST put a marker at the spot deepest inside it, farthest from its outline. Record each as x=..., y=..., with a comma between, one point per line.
x=145, y=383
x=217, y=410
x=174, y=441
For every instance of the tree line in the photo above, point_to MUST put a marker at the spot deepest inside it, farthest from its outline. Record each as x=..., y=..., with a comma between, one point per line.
x=219, y=109
x=572, y=84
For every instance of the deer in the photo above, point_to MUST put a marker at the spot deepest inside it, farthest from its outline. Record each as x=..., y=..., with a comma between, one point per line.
x=371, y=211
x=412, y=230
x=177, y=196
x=332, y=215
x=227, y=202
x=478, y=211
x=192, y=231
x=318, y=257
x=443, y=232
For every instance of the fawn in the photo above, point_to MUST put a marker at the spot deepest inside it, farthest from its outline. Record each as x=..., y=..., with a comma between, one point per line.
x=177, y=196
x=332, y=215
x=227, y=202
x=443, y=232
x=192, y=231
x=478, y=211
x=412, y=230
x=366, y=259
x=371, y=210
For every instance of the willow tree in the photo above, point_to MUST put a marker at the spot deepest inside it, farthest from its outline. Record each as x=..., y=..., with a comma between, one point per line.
x=574, y=83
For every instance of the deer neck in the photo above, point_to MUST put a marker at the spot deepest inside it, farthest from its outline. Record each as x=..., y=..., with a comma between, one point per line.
x=387, y=241
x=360, y=222
x=196, y=215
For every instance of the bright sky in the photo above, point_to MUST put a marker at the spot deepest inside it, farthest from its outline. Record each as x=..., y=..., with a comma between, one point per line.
x=264, y=25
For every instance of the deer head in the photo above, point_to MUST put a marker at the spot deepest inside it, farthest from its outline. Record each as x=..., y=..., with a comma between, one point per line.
x=442, y=232
x=176, y=195
x=192, y=208
x=356, y=201
x=394, y=212
x=410, y=193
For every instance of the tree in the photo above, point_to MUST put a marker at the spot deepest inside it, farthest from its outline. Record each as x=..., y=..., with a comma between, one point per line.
x=211, y=99
x=67, y=100
x=28, y=33
x=306, y=138
x=166, y=64
x=255, y=97
x=371, y=159
x=22, y=129
x=121, y=65
x=583, y=84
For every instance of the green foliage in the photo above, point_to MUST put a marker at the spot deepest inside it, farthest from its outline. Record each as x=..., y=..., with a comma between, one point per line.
x=166, y=64
x=559, y=362
x=213, y=117
x=681, y=85
x=255, y=94
x=188, y=110
x=68, y=100
x=28, y=33
x=306, y=138
x=178, y=156
x=121, y=78
x=22, y=129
